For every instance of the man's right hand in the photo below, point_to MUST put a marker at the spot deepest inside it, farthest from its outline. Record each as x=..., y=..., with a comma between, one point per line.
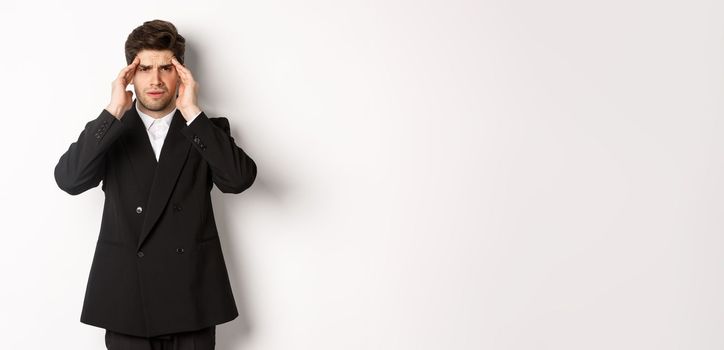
x=122, y=99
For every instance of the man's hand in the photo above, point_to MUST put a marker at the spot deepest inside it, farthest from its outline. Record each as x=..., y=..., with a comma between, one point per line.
x=121, y=99
x=186, y=101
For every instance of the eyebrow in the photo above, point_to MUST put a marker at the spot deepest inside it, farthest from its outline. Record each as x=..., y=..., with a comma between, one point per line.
x=162, y=66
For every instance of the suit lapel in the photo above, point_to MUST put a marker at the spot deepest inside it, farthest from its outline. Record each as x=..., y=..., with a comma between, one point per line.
x=172, y=159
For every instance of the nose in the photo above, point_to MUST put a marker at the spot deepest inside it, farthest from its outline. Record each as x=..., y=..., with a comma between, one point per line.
x=156, y=78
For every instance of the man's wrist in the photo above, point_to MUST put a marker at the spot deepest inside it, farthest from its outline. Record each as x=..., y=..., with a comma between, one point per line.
x=189, y=113
x=188, y=122
x=115, y=111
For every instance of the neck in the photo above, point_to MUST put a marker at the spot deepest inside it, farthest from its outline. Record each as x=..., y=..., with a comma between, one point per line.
x=157, y=114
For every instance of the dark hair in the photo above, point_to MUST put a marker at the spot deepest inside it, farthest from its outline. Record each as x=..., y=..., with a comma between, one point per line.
x=155, y=35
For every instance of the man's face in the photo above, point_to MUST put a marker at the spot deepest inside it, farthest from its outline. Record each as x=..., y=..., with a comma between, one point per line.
x=155, y=82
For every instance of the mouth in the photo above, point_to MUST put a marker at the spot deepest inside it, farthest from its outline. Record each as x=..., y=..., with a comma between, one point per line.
x=155, y=94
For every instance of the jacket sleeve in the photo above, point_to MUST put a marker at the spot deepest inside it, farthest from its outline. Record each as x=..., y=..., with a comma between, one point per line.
x=82, y=166
x=232, y=170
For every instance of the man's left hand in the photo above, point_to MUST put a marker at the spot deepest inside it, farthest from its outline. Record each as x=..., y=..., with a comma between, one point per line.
x=186, y=101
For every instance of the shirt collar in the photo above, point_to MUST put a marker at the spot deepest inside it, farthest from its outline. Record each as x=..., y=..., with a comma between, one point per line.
x=147, y=119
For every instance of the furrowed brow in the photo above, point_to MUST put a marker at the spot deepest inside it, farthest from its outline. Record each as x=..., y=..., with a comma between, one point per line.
x=162, y=66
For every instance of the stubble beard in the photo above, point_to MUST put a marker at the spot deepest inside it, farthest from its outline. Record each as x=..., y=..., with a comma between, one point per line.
x=155, y=104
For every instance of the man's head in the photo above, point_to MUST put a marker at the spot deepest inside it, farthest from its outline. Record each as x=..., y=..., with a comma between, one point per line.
x=155, y=42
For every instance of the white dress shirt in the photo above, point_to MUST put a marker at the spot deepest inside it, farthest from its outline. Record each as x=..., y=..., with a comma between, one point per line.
x=157, y=128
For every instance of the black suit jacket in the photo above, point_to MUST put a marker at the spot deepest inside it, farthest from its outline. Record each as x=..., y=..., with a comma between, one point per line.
x=158, y=265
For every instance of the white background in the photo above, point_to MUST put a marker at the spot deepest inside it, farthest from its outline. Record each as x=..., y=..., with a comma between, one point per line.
x=431, y=174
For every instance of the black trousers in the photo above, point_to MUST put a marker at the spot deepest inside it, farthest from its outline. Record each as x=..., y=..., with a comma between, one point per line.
x=203, y=339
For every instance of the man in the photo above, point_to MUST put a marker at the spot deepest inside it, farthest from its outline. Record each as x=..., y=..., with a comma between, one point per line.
x=158, y=276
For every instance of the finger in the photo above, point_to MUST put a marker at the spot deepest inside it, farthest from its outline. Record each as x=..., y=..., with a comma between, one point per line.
x=122, y=73
x=185, y=77
x=128, y=77
x=134, y=65
x=129, y=69
x=182, y=76
x=179, y=66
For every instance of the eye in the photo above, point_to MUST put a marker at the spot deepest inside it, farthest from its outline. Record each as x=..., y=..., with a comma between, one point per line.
x=167, y=68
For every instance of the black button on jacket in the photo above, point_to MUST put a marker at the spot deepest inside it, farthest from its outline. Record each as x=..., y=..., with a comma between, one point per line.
x=159, y=269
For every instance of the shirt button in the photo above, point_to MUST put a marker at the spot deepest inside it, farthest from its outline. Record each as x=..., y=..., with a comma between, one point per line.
x=139, y=210
x=179, y=250
x=140, y=254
